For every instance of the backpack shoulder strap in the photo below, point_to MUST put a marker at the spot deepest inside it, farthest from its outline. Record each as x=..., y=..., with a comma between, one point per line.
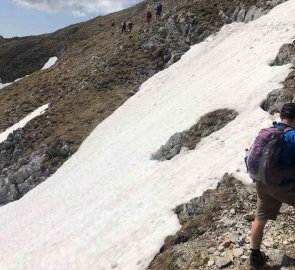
x=286, y=129
x=283, y=128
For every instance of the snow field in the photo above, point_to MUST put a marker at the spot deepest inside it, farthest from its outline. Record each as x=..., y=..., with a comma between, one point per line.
x=109, y=206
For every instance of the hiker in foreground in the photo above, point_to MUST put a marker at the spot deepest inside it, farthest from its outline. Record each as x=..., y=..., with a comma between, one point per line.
x=271, y=164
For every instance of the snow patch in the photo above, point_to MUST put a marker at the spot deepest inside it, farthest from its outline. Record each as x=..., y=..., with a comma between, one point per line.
x=2, y=85
x=6, y=84
x=50, y=63
x=23, y=122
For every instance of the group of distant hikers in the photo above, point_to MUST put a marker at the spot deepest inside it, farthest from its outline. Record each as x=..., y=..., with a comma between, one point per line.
x=127, y=25
x=270, y=163
x=149, y=15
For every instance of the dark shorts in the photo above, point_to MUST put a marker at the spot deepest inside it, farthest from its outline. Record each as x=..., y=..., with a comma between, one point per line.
x=270, y=199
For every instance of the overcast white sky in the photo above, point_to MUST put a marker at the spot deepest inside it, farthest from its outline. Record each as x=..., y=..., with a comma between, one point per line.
x=83, y=7
x=31, y=17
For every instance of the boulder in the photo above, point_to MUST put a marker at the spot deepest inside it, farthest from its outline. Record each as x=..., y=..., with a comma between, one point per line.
x=284, y=55
x=275, y=100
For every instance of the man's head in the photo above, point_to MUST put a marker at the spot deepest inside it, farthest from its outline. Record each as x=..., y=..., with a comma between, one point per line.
x=288, y=114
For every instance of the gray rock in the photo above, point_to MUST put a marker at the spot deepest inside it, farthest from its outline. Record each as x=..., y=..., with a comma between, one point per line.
x=65, y=150
x=238, y=252
x=253, y=14
x=249, y=217
x=175, y=56
x=235, y=237
x=269, y=243
x=228, y=222
x=223, y=262
x=241, y=15
x=244, y=258
x=278, y=257
x=232, y=211
x=284, y=55
x=275, y=100
x=179, y=263
x=8, y=193
x=210, y=263
x=18, y=173
x=170, y=149
x=25, y=188
x=211, y=250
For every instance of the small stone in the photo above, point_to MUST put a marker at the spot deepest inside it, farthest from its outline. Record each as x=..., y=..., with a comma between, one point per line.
x=179, y=263
x=232, y=212
x=238, y=252
x=210, y=263
x=223, y=262
x=228, y=254
x=283, y=223
x=242, y=241
x=226, y=243
x=249, y=217
x=228, y=222
x=234, y=237
x=244, y=258
x=231, y=246
x=211, y=250
x=269, y=243
x=278, y=257
x=247, y=239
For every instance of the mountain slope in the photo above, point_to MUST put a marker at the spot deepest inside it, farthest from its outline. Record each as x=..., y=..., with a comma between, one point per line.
x=96, y=73
x=109, y=206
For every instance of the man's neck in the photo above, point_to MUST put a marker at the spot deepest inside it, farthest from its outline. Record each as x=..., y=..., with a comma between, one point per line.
x=286, y=122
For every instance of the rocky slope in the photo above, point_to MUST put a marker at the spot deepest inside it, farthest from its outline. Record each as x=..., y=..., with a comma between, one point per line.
x=215, y=232
x=99, y=68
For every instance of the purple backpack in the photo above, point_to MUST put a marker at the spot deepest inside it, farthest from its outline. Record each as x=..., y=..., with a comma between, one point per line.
x=262, y=159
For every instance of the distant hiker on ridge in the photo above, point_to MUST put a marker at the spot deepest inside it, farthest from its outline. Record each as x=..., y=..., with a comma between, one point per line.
x=113, y=25
x=124, y=27
x=271, y=164
x=129, y=26
x=159, y=9
x=148, y=17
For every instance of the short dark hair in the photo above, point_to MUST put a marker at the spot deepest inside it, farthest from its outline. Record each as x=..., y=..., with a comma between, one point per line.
x=288, y=111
